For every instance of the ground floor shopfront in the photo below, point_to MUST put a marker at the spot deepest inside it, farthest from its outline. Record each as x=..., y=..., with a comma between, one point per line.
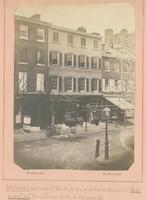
x=42, y=108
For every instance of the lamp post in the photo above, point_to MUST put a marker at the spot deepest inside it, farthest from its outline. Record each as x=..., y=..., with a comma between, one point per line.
x=106, y=110
x=87, y=107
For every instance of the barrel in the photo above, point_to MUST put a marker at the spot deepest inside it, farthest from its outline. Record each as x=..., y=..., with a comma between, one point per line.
x=26, y=123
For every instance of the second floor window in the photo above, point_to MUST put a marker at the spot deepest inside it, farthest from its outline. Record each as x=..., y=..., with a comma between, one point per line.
x=40, y=82
x=82, y=84
x=55, y=36
x=95, y=63
x=69, y=84
x=22, y=81
x=40, y=57
x=70, y=39
x=40, y=35
x=95, y=44
x=55, y=58
x=106, y=84
x=54, y=83
x=23, y=55
x=83, y=42
x=23, y=31
x=94, y=85
x=107, y=66
x=82, y=61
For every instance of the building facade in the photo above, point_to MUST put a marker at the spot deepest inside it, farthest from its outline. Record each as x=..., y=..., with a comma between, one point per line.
x=60, y=70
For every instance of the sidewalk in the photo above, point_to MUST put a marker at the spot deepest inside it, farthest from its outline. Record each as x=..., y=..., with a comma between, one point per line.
x=65, y=131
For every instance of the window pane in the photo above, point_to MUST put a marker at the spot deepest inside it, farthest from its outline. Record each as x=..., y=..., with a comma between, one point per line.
x=82, y=84
x=83, y=41
x=55, y=36
x=40, y=34
x=69, y=59
x=40, y=82
x=22, y=81
x=82, y=61
x=54, y=82
x=69, y=83
x=23, y=31
x=55, y=57
x=70, y=39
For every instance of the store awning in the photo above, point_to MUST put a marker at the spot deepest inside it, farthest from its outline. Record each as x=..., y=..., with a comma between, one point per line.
x=121, y=103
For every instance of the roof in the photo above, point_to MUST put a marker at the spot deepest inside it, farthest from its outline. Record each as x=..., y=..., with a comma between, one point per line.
x=27, y=19
x=120, y=102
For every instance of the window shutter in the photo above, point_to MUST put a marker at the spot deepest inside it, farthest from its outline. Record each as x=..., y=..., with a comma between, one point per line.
x=79, y=85
x=74, y=84
x=87, y=62
x=91, y=62
x=65, y=59
x=100, y=85
x=60, y=83
x=74, y=60
x=87, y=85
x=50, y=57
x=78, y=61
x=60, y=58
x=100, y=64
x=91, y=85
x=65, y=86
x=103, y=85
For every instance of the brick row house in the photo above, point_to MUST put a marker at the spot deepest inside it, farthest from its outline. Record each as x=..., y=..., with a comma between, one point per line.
x=62, y=70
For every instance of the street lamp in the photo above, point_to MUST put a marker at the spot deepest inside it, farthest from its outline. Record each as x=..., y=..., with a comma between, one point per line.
x=86, y=109
x=106, y=110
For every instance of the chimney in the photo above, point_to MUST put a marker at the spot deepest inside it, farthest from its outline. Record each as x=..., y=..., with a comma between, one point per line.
x=36, y=16
x=109, y=37
x=82, y=29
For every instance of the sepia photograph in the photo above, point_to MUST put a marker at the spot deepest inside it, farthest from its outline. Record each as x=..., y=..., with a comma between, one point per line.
x=74, y=87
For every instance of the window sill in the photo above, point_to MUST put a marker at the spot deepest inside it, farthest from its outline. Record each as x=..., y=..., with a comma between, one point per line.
x=83, y=47
x=22, y=63
x=39, y=64
x=43, y=41
x=23, y=38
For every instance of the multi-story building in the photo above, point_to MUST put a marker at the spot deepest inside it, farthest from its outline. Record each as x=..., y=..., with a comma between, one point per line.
x=31, y=69
x=115, y=83
x=74, y=69
x=60, y=70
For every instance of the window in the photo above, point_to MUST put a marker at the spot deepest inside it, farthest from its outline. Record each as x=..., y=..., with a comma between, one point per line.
x=70, y=39
x=54, y=82
x=22, y=81
x=95, y=44
x=107, y=66
x=95, y=62
x=94, y=85
x=40, y=56
x=69, y=84
x=82, y=61
x=116, y=84
x=83, y=42
x=55, y=36
x=55, y=57
x=23, y=53
x=40, y=35
x=23, y=31
x=69, y=59
x=82, y=84
x=40, y=82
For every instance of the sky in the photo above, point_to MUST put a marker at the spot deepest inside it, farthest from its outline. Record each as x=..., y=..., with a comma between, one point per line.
x=96, y=18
